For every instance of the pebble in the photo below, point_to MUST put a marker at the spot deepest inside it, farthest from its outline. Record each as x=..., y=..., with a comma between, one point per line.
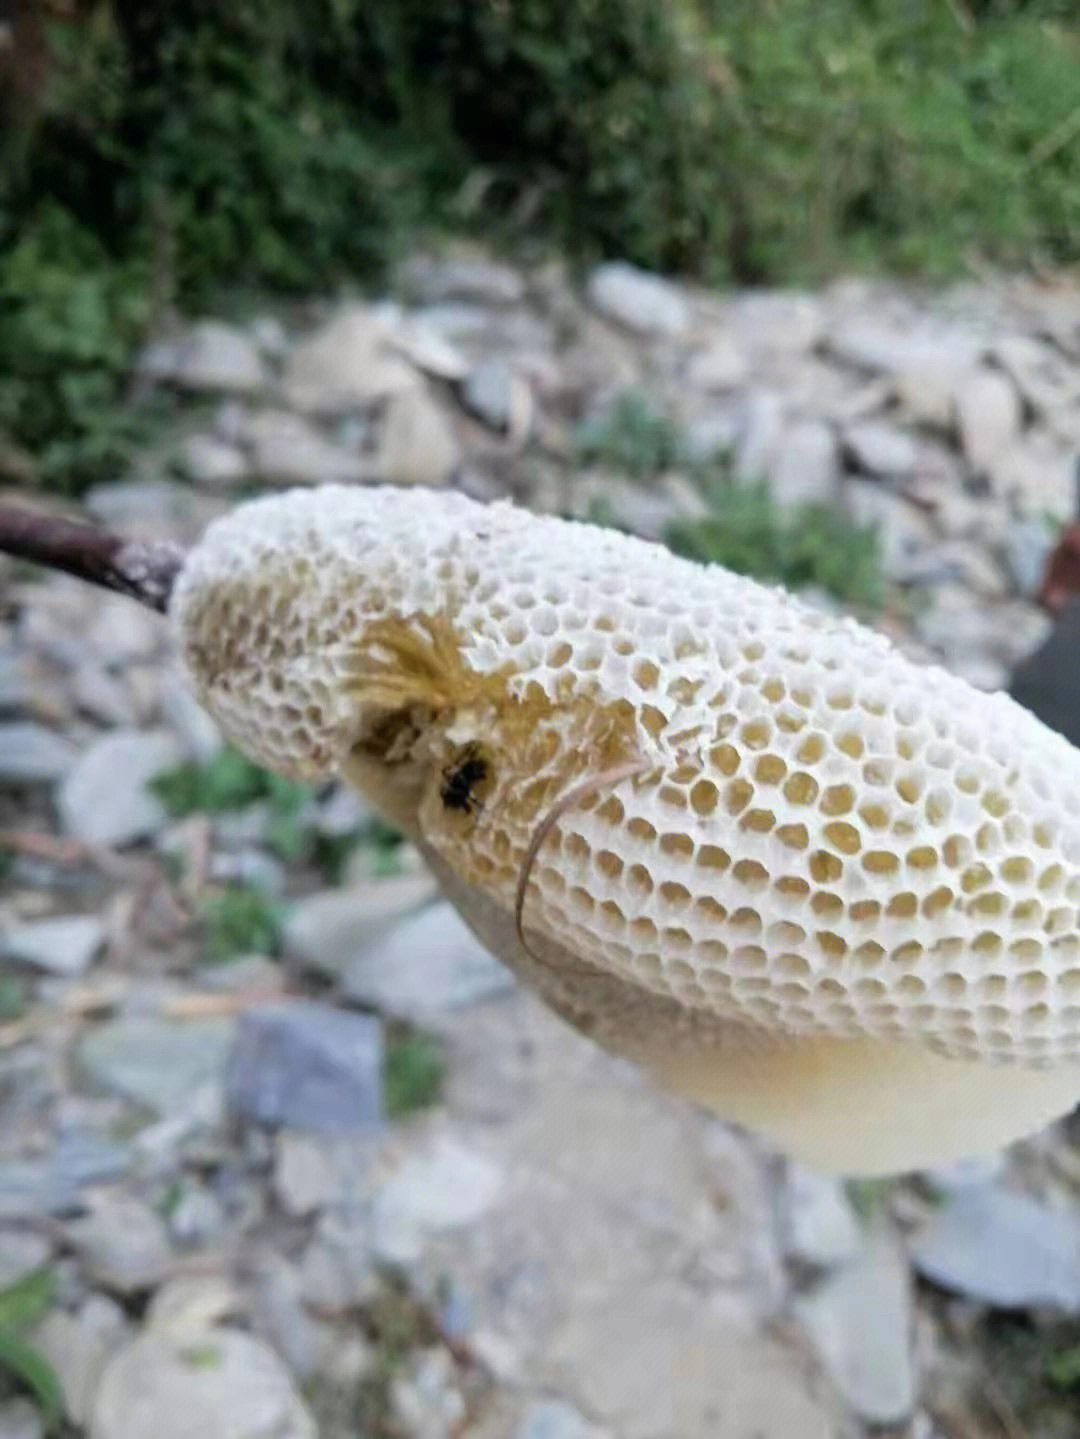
x=643, y=302
x=307, y=1066
x=436, y=280
x=860, y=1319
x=307, y=1174
x=445, y=1186
x=418, y=445
x=222, y=1381
x=820, y=1226
x=21, y=1253
x=211, y=357
x=988, y=416
x=330, y=927
x=166, y=1066
x=63, y=946
x=78, y=1346
x=488, y=393
x=428, y=964
x=720, y=366
x=1001, y=1248
x=345, y=366
x=880, y=450
x=555, y=1419
x=288, y=449
x=32, y=754
x=20, y=1419
x=212, y=461
x=105, y=798
x=122, y=1244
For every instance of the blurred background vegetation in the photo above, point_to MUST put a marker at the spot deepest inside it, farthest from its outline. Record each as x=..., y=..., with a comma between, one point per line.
x=155, y=155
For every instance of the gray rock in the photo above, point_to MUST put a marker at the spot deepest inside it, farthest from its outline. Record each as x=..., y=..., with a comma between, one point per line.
x=425, y=1397
x=720, y=366
x=348, y=365
x=645, y=303
x=555, y=1419
x=121, y=633
x=32, y=754
x=445, y=1186
x=328, y=929
x=104, y=797
x=884, y=349
x=805, y=467
x=101, y=695
x=63, y=946
x=18, y=688
x=428, y=964
x=1045, y=378
x=166, y=1066
x=208, y=460
x=197, y=732
x=1001, y=1248
x=78, y=1346
x=860, y=1319
x=337, y=1269
x=769, y=323
x=417, y=445
x=761, y=428
x=122, y=1243
x=290, y=450
x=210, y=357
x=1037, y=475
x=819, y=1223
x=307, y=1173
x=877, y=449
x=488, y=393
x=20, y=1419
x=307, y=1066
x=306, y=1343
x=436, y=280
x=988, y=415
x=179, y=1385
x=197, y=1216
x=427, y=351
x=21, y=1253
x=81, y=1157
x=1026, y=547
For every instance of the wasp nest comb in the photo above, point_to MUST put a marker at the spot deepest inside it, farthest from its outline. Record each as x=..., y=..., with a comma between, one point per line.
x=826, y=891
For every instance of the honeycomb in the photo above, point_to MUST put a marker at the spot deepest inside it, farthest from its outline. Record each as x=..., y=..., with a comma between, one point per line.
x=756, y=814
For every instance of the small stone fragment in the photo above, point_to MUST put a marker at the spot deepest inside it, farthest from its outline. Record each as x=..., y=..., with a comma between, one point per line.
x=166, y=1065
x=307, y=1066
x=64, y=946
x=32, y=754
x=860, y=1320
x=122, y=1243
x=645, y=303
x=105, y=797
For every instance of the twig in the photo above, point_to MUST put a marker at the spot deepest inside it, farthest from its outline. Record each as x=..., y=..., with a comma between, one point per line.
x=145, y=570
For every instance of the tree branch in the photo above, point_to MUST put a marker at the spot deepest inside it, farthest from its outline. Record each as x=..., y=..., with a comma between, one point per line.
x=143, y=570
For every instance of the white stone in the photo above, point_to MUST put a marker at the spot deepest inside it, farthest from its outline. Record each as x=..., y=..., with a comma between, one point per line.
x=288, y=449
x=805, y=465
x=225, y=1383
x=821, y=1225
x=347, y=365
x=988, y=415
x=104, y=798
x=306, y=1174
x=211, y=461
x=879, y=449
x=445, y=1186
x=78, y=1346
x=211, y=356
x=417, y=445
x=329, y=928
x=778, y=322
x=860, y=1320
x=122, y=1243
x=645, y=303
x=720, y=366
x=63, y=946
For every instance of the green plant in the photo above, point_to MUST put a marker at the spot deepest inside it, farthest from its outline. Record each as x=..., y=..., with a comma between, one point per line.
x=632, y=437
x=239, y=920
x=812, y=546
x=413, y=1071
x=22, y=1304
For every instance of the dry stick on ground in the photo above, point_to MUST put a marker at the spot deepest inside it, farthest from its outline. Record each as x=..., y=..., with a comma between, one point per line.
x=144, y=570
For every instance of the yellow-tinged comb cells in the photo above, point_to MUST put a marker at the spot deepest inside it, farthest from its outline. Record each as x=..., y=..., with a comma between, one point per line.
x=828, y=892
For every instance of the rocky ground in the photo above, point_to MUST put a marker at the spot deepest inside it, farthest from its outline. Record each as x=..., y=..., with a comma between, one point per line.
x=220, y=997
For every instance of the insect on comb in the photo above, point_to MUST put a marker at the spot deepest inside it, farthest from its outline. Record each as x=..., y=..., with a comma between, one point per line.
x=461, y=778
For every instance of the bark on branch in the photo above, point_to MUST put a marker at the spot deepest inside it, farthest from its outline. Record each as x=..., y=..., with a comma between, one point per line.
x=143, y=570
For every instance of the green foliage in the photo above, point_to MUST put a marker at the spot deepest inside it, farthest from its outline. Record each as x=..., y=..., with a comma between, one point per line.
x=240, y=920
x=413, y=1072
x=813, y=546
x=746, y=531
x=631, y=437
x=22, y=1304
